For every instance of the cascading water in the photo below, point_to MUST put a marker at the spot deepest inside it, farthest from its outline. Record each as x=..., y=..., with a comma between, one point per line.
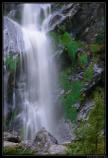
x=35, y=81
x=38, y=108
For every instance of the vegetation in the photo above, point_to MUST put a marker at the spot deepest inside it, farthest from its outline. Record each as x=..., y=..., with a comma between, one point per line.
x=88, y=73
x=79, y=56
x=95, y=47
x=11, y=62
x=83, y=59
x=70, y=45
x=19, y=150
x=90, y=134
x=73, y=95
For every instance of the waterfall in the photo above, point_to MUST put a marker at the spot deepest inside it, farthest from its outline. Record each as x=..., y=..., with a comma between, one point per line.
x=34, y=102
x=38, y=109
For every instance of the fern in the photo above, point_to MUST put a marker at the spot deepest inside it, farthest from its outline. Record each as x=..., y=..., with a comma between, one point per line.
x=83, y=59
x=70, y=44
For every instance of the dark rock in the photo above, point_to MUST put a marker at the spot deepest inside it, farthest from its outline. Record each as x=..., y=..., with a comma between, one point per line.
x=83, y=20
x=12, y=137
x=61, y=15
x=84, y=112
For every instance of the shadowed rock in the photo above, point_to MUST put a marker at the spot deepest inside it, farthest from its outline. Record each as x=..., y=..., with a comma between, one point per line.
x=11, y=137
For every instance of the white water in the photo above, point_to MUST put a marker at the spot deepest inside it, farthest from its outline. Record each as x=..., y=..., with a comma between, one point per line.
x=38, y=108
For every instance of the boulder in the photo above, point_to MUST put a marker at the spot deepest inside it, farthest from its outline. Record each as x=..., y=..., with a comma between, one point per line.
x=44, y=140
x=14, y=138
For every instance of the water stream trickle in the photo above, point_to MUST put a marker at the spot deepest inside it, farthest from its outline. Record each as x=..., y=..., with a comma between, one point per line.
x=38, y=108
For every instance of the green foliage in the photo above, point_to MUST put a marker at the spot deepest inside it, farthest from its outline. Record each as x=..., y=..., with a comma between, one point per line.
x=73, y=94
x=19, y=150
x=88, y=74
x=95, y=47
x=11, y=63
x=98, y=110
x=68, y=42
x=83, y=59
x=89, y=133
x=70, y=99
x=64, y=82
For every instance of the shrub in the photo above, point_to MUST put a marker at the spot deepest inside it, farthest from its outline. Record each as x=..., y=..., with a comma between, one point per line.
x=89, y=132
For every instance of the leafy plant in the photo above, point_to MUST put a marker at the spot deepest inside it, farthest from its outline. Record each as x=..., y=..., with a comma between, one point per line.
x=11, y=63
x=83, y=59
x=70, y=44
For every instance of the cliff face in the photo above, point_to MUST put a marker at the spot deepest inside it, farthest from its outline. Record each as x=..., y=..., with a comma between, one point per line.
x=83, y=20
x=71, y=23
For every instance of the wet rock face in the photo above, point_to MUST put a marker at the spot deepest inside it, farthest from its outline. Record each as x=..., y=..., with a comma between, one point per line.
x=84, y=112
x=82, y=20
x=61, y=15
x=12, y=36
x=90, y=19
x=13, y=10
